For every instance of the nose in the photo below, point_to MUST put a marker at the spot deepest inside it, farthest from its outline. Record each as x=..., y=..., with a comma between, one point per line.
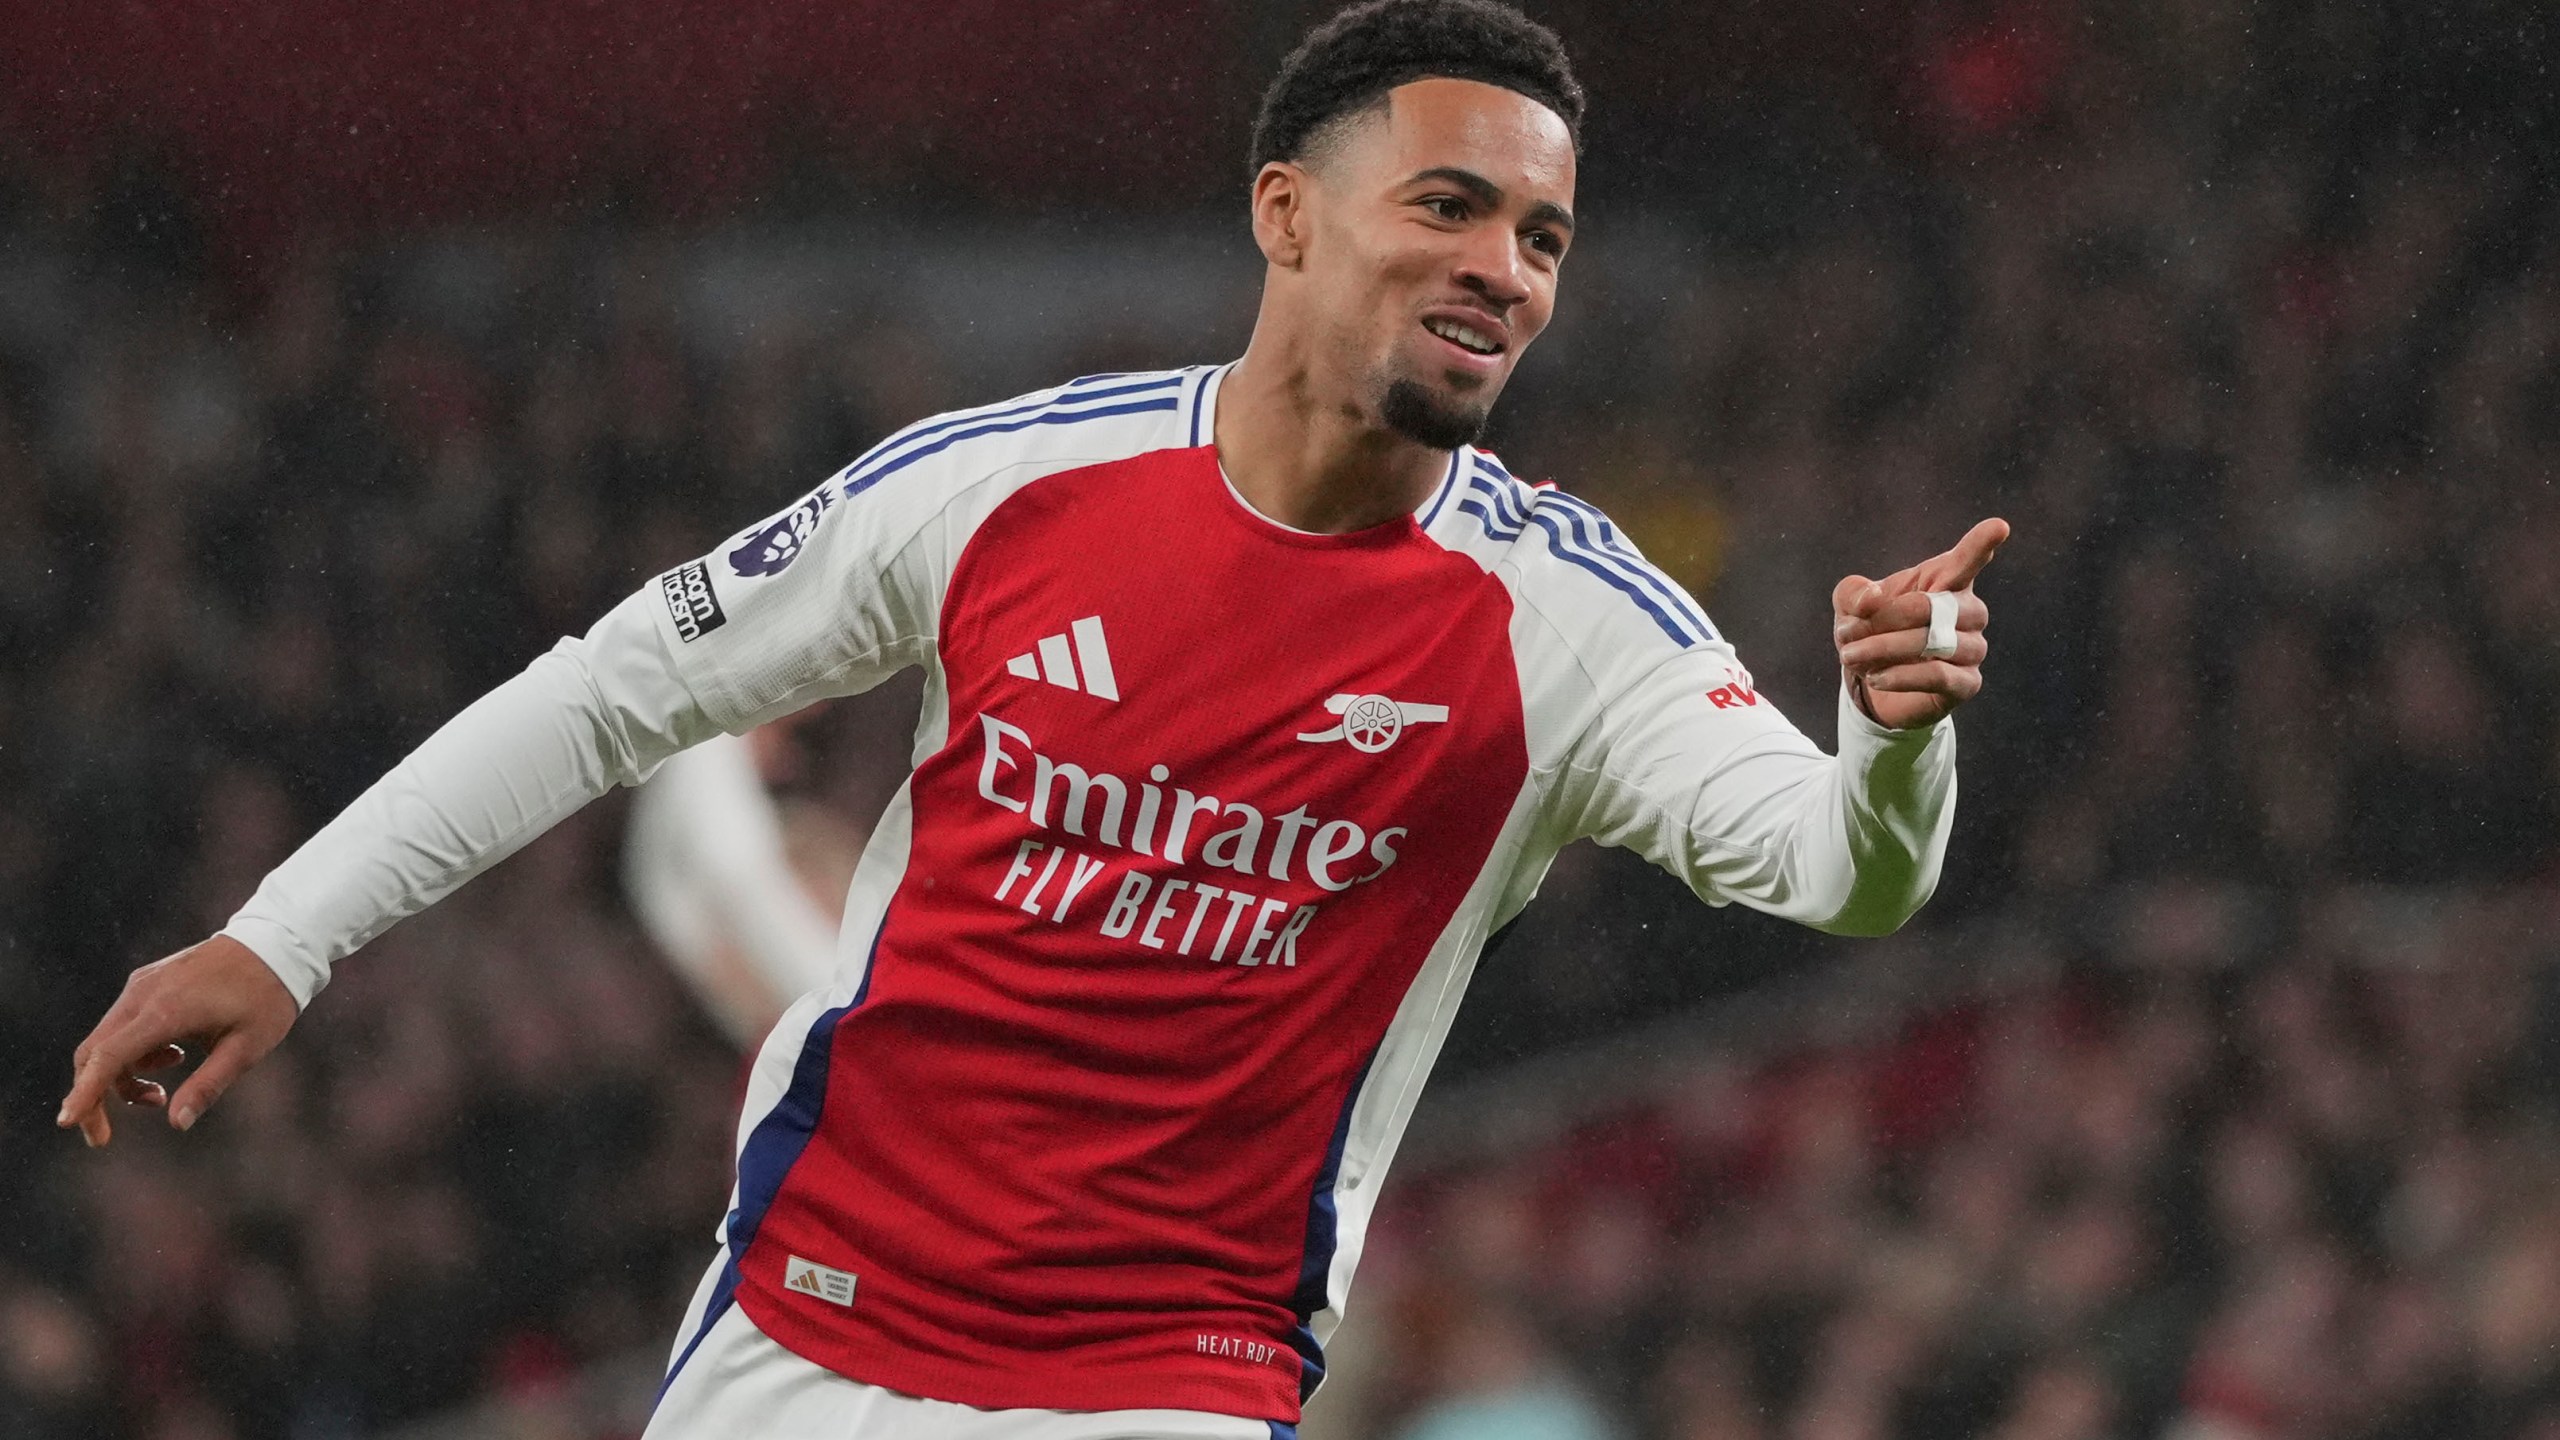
x=1491, y=270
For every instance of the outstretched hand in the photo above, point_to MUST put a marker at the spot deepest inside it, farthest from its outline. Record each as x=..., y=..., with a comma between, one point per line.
x=1881, y=629
x=217, y=994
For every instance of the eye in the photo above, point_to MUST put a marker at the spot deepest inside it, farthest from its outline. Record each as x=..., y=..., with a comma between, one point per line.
x=1446, y=207
x=1547, y=243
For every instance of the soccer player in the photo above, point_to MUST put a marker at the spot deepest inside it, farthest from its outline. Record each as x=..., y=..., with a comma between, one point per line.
x=1257, y=698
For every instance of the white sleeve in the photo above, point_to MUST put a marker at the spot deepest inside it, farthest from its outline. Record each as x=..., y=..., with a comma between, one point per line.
x=1688, y=766
x=591, y=714
x=827, y=598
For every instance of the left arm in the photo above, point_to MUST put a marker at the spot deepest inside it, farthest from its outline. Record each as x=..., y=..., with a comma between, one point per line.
x=1691, y=768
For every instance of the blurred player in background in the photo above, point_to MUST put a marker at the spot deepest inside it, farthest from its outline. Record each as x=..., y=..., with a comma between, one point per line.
x=747, y=918
x=1257, y=700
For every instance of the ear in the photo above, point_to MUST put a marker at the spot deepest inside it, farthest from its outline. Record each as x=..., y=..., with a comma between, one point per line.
x=1282, y=194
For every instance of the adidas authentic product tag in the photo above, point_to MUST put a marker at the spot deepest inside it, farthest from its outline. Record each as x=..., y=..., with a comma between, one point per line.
x=808, y=1277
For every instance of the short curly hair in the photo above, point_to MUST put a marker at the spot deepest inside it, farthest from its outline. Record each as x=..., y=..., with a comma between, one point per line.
x=1351, y=61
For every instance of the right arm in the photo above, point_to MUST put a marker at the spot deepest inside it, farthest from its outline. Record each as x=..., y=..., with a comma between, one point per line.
x=720, y=644
x=596, y=712
x=827, y=598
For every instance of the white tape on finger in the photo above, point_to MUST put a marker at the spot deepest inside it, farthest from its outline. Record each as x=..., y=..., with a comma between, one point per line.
x=1942, y=626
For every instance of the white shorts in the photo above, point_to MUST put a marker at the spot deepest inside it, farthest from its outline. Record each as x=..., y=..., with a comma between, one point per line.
x=738, y=1384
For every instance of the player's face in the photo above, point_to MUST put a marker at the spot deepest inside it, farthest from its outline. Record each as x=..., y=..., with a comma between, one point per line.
x=1442, y=227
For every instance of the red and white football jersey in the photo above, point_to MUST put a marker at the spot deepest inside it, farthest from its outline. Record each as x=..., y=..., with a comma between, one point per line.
x=1145, y=966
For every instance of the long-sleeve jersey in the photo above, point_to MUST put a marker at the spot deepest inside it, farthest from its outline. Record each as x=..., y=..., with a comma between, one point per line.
x=1143, y=969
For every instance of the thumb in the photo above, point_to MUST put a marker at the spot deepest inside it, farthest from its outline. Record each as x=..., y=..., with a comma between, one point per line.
x=1851, y=593
x=1900, y=582
x=231, y=1057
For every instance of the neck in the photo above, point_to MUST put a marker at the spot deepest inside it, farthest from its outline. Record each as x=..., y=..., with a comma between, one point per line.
x=1312, y=458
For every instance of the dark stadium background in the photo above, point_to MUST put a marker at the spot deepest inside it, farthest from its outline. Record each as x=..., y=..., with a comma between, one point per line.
x=349, y=354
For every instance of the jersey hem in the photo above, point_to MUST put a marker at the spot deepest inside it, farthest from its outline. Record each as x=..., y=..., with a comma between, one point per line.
x=985, y=1387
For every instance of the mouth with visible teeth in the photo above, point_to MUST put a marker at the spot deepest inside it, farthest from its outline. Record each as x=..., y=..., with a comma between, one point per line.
x=1463, y=335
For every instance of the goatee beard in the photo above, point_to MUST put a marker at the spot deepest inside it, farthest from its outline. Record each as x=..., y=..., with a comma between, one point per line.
x=1412, y=411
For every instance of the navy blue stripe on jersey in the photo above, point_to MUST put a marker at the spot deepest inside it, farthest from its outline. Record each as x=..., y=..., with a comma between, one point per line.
x=1199, y=402
x=1504, y=500
x=1448, y=487
x=1075, y=391
x=1315, y=1267
x=935, y=425
x=1499, y=502
x=1611, y=544
x=1599, y=538
x=1494, y=527
x=1567, y=548
x=856, y=484
x=1506, y=497
x=772, y=1149
x=1500, y=480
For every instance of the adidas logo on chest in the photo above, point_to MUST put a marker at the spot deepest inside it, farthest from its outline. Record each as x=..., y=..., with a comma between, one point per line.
x=1077, y=660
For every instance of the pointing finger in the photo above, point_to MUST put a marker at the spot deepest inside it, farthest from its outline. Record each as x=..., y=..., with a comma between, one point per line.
x=1955, y=569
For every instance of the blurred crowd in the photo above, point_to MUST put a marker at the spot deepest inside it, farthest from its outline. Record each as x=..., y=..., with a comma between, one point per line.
x=251, y=556
x=2266, y=382
x=2312, y=1195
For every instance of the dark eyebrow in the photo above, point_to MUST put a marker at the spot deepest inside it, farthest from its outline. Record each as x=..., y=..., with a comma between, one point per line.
x=1484, y=192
